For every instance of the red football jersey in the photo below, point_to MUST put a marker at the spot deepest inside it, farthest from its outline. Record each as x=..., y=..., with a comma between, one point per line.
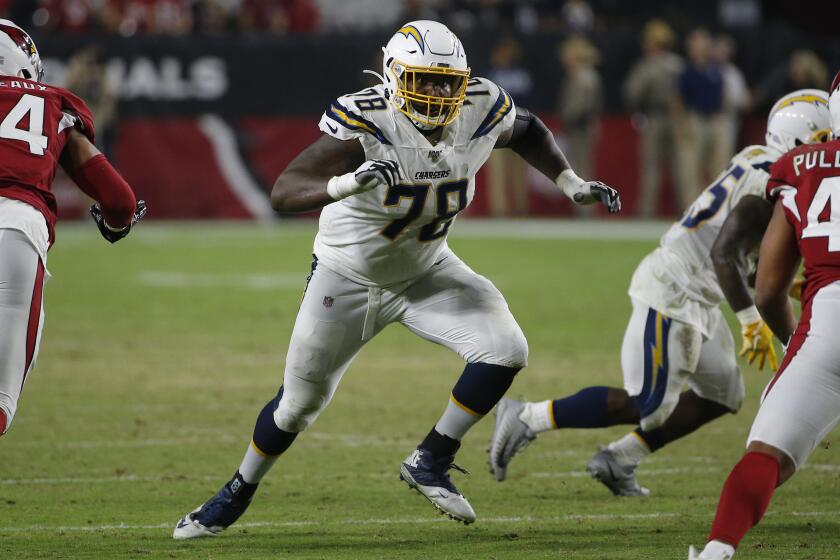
x=35, y=120
x=807, y=179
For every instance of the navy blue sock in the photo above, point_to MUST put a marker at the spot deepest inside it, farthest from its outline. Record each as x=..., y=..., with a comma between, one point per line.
x=241, y=489
x=585, y=409
x=268, y=438
x=655, y=439
x=439, y=445
x=481, y=386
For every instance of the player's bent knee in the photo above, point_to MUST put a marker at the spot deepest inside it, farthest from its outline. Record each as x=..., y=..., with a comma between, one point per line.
x=297, y=411
x=510, y=349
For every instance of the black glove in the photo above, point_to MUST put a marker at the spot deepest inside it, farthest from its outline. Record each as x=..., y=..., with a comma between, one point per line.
x=607, y=195
x=108, y=233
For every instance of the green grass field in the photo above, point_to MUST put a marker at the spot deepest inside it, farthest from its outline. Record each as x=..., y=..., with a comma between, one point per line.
x=158, y=353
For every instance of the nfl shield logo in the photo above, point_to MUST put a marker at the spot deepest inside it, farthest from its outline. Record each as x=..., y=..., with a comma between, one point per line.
x=328, y=301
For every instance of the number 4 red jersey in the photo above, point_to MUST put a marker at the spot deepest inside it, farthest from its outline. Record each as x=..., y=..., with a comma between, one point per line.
x=35, y=120
x=807, y=179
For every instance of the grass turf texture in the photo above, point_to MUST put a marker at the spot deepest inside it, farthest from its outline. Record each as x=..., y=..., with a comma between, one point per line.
x=158, y=353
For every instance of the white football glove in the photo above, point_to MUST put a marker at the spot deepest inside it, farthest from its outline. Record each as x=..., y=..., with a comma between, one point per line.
x=587, y=192
x=368, y=176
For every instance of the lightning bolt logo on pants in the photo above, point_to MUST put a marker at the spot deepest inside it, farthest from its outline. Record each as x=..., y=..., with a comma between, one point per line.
x=656, y=363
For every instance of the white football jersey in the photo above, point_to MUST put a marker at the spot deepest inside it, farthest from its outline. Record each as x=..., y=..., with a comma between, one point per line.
x=389, y=235
x=678, y=278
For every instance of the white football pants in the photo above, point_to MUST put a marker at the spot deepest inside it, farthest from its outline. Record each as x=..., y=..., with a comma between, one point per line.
x=450, y=305
x=660, y=355
x=22, y=276
x=801, y=404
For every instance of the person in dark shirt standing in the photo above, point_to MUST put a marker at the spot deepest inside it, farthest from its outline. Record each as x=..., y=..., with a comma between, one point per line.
x=701, y=127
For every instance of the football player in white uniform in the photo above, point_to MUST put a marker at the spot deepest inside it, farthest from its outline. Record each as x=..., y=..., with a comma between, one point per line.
x=396, y=164
x=677, y=334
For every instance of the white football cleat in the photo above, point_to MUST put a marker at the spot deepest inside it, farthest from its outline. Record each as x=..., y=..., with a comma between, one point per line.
x=510, y=436
x=430, y=477
x=725, y=553
x=620, y=479
x=218, y=513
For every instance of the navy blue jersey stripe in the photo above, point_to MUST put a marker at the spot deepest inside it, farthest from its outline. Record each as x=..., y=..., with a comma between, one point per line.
x=497, y=113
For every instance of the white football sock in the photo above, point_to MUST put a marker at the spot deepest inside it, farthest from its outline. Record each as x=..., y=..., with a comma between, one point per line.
x=629, y=450
x=255, y=464
x=455, y=421
x=538, y=416
x=717, y=549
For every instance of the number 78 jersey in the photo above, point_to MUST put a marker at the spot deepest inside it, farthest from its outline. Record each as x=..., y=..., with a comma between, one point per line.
x=390, y=235
x=678, y=279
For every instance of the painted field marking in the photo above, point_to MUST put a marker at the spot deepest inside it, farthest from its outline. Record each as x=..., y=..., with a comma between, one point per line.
x=351, y=522
x=397, y=521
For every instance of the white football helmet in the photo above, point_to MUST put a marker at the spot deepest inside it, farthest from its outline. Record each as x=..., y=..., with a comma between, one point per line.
x=834, y=105
x=18, y=55
x=419, y=52
x=800, y=117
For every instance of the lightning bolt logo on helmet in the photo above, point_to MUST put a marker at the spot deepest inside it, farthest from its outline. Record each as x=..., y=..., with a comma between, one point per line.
x=799, y=117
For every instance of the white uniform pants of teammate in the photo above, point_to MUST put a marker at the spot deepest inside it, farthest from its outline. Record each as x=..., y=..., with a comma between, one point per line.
x=801, y=405
x=22, y=277
x=449, y=304
x=660, y=355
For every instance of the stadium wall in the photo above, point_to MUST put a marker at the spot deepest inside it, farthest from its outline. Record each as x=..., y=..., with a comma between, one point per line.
x=206, y=123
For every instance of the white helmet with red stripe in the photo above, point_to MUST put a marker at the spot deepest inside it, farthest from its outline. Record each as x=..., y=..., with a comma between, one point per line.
x=800, y=117
x=834, y=105
x=18, y=55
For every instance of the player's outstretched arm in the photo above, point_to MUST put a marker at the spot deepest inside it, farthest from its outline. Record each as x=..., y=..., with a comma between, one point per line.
x=116, y=208
x=531, y=139
x=739, y=236
x=778, y=262
x=328, y=170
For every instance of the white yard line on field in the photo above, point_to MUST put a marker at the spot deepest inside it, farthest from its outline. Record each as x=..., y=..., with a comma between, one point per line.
x=281, y=476
x=395, y=521
x=351, y=522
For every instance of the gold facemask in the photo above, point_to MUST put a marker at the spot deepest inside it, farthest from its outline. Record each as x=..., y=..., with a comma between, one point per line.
x=820, y=136
x=431, y=110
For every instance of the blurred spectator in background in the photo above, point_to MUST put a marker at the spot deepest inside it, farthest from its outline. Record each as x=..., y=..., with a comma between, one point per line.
x=359, y=15
x=702, y=131
x=132, y=17
x=507, y=185
x=579, y=103
x=578, y=16
x=506, y=70
x=87, y=77
x=210, y=17
x=736, y=94
x=73, y=16
x=804, y=69
x=739, y=13
x=648, y=92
